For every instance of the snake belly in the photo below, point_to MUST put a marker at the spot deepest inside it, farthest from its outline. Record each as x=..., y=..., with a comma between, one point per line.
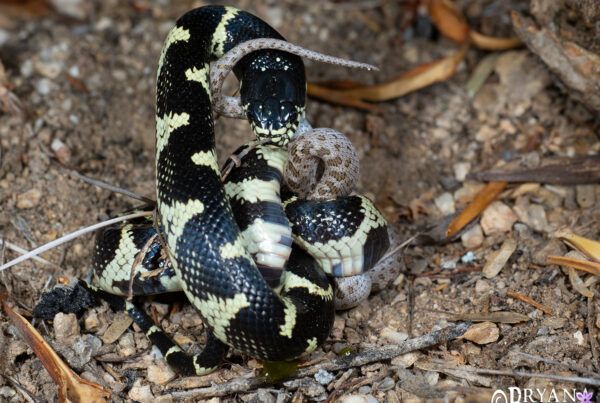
x=203, y=240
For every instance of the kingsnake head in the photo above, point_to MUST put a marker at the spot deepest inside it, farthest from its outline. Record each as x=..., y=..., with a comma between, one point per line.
x=274, y=103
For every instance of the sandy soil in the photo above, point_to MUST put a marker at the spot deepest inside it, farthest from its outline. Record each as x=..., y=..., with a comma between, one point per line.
x=87, y=79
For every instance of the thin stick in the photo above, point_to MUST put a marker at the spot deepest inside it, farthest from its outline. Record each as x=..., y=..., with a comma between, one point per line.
x=333, y=364
x=572, y=367
x=397, y=248
x=70, y=236
x=112, y=188
x=588, y=381
x=22, y=251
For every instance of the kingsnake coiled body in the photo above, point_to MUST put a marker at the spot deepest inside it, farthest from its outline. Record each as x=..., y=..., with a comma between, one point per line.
x=208, y=245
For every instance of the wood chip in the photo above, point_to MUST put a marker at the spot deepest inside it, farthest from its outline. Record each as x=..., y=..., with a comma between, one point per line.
x=496, y=317
x=498, y=259
x=482, y=333
x=117, y=328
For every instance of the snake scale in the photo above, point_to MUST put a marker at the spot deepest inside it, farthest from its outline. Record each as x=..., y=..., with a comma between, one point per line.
x=252, y=264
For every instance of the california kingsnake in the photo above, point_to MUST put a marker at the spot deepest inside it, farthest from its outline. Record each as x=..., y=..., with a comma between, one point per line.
x=204, y=244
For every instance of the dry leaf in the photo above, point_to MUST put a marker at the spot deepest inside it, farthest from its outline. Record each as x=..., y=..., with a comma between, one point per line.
x=29, y=9
x=449, y=20
x=491, y=43
x=480, y=202
x=583, y=265
x=577, y=283
x=70, y=385
x=498, y=259
x=588, y=247
x=496, y=317
x=354, y=95
x=482, y=333
x=117, y=328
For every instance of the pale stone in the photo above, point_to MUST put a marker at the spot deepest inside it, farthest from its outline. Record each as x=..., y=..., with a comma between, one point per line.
x=445, y=203
x=485, y=133
x=160, y=374
x=66, y=328
x=140, y=393
x=461, y=170
x=472, y=237
x=29, y=199
x=498, y=217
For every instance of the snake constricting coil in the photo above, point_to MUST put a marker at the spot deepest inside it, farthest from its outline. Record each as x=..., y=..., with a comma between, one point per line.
x=252, y=253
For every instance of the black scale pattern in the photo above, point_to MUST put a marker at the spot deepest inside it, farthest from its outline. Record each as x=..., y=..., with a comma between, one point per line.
x=202, y=269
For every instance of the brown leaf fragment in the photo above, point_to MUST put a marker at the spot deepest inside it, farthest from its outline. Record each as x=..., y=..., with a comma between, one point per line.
x=70, y=386
x=590, y=267
x=498, y=258
x=117, y=328
x=577, y=283
x=572, y=171
x=482, y=333
x=448, y=19
x=487, y=195
x=26, y=9
x=530, y=301
x=420, y=77
x=496, y=317
x=588, y=247
x=491, y=43
x=77, y=84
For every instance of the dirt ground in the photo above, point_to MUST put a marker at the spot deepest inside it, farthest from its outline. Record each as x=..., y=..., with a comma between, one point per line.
x=86, y=77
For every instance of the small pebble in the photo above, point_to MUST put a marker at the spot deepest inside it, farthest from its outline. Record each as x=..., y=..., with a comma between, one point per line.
x=66, y=328
x=498, y=217
x=29, y=199
x=579, y=338
x=339, y=323
x=386, y=383
x=405, y=360
x=324, y=377
x=44, y=86
x=482, y=286
x=91, y=321
x=160, y=374
x=50, y=70
x=7, y=392
x=553, y=246
x=445, y=203
x=393, y=336
x=472, y=237
x=432, y=377
x=358, y=398
x=585, y=195
x=461, y=170
x=468, y=191
x=391, y=397
x=140, y=393
x=126, y=344
x=74, y=8
x=86, y=346
x=264, y=396
x=533, y=215
x=468, y=257
x=485, y=133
